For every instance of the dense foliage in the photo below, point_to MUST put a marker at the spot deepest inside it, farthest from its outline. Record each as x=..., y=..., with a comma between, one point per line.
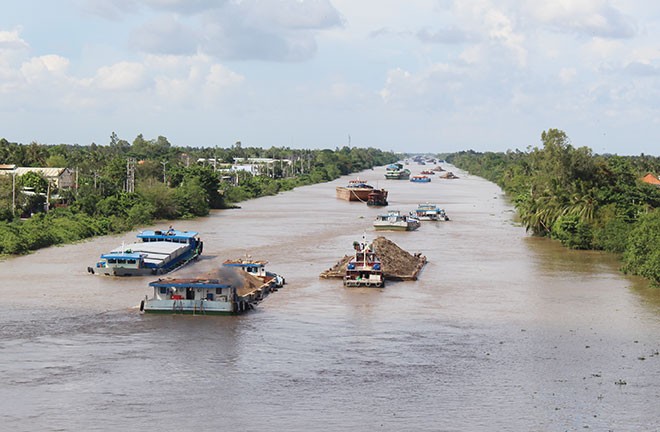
x=169, y=183
x=585, y=201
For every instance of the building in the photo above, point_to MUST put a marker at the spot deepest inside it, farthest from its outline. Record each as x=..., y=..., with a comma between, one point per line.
x=61, y=178
x=651, y=179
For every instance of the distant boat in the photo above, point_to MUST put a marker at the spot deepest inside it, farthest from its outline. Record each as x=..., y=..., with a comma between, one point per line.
x=420, y=179
x=430, y=212
x=355, y=190
x=156, y=252
x=395, y=221
x=396, y=171
x=377, y=197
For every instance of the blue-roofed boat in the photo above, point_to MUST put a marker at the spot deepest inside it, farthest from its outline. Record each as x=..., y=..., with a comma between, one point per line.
x=430, y=212
x=420, y=179
x=238, y=286
x=156, y=252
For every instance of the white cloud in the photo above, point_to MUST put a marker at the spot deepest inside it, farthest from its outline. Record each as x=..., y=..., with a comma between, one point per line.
x=165, y=34
x=10, y=41
x=122, y=76
x=588, y=17
x=39, y=68
x=567, y=75
x=282, y=30
x=220, y=77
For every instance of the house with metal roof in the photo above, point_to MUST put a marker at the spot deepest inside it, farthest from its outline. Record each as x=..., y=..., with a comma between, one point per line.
x=61, y=178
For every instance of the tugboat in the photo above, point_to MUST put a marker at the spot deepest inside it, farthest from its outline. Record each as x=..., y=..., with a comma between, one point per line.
x=156, y=252
x=364, y=269
x=377, y=197
x=229, y=292
x=430, y=212
x=395, y=221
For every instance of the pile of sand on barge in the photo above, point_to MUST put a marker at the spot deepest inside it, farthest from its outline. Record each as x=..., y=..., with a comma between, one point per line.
x=244, y=282
x=397, y=263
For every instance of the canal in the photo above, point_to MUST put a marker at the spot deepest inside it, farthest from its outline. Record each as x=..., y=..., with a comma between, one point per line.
x=502, y=331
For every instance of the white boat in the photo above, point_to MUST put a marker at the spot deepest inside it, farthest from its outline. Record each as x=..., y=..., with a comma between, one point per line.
x=238, y=287
x=156, y=252
x=396, y=171
x=430, y=212
x=395, y=221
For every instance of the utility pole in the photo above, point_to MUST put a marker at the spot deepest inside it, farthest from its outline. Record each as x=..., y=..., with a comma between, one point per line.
x=48, y=197
x=130, y=175
x=13, y=193
x=164, y=178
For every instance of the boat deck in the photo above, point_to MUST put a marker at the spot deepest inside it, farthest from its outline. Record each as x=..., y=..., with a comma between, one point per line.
x=156, y=252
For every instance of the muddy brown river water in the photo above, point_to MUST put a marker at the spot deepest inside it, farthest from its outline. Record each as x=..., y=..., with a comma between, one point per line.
x=502, y=332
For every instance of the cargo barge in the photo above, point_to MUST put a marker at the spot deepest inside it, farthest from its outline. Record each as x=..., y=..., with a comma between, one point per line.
x=157, y=252
x=236, y=288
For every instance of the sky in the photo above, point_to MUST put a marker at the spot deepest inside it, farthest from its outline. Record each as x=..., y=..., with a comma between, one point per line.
x=402, y=75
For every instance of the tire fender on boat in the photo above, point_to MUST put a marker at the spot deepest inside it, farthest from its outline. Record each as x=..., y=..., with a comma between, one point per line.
x=142, y=306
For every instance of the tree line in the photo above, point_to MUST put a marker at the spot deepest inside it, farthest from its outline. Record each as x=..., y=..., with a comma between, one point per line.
x=583, y=200
x=122, y=185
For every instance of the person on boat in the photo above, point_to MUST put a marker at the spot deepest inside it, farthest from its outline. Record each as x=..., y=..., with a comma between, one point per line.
x=170, y=231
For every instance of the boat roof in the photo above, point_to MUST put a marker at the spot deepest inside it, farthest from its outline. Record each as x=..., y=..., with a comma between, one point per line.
x=152, y=251
x=188, y=283
x=165, y=234
x=122, y=255
x=244, y=263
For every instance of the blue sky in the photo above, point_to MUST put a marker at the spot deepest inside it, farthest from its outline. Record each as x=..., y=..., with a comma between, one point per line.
x=402, y=75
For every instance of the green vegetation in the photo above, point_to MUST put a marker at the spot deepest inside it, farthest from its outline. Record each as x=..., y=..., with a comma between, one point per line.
x=585, y=201
x=167, y=183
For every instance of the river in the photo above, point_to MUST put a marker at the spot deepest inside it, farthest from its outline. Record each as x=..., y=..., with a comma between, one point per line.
x=502, y=331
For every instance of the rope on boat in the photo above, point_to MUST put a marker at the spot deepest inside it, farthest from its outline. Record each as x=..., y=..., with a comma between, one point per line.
x=356, y=196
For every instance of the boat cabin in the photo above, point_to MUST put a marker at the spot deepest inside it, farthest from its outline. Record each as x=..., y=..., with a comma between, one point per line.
x=365, y=268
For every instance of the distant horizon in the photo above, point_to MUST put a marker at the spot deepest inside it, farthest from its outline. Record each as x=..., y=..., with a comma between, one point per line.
x=424, y=152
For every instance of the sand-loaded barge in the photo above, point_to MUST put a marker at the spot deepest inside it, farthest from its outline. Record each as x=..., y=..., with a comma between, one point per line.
x=396, y=263
x=238, y=286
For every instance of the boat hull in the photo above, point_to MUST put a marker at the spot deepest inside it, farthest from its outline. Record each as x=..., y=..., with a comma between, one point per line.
x=397, y=176
x=353, y=283
x=120, y=271
x=353, y=194
x=377, y=198
x=174, y=263
x=391, y=227
x=189, y=307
